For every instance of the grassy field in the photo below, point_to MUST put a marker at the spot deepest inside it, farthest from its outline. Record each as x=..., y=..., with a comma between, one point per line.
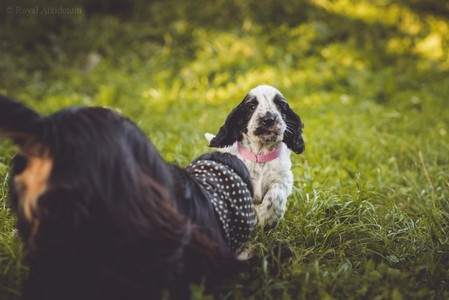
x=369, y=216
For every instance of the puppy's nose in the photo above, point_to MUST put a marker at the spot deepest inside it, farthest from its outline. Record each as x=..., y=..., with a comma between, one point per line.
x=268, y=119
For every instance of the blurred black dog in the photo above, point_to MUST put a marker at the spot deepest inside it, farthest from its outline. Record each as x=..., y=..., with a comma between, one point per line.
x=103, y=216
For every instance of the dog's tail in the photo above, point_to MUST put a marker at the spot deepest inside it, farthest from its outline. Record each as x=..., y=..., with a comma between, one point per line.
x=209, y=136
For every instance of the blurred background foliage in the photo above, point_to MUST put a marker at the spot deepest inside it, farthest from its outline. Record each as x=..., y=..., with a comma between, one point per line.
x=344, y=42
x=369, y=216
x=150, y=56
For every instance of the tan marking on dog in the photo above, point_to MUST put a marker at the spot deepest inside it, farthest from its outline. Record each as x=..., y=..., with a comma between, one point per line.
x=32, y=183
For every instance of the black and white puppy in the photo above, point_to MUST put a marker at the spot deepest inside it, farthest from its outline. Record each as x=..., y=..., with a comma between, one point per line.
x=103, y=216
x=262, y=131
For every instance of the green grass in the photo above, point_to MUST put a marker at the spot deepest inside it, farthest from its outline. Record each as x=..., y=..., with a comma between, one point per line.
x=369, y=215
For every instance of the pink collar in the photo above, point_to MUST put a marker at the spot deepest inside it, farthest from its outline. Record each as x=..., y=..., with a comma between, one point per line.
x=259, y=158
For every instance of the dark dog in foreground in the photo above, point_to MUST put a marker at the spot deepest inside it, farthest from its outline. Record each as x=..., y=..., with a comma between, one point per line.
x=103, y=216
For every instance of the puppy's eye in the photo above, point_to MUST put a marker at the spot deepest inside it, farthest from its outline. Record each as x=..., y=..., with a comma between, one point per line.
x=19, y=164
x=251, y=106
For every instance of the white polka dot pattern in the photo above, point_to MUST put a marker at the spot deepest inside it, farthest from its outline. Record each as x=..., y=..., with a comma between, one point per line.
x=230, y=197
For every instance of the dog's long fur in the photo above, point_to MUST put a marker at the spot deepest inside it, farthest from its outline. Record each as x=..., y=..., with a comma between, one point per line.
x=261, y=122
x=102, y=215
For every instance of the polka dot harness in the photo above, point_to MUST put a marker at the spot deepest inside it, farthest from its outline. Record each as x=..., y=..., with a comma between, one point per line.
x=230, y=198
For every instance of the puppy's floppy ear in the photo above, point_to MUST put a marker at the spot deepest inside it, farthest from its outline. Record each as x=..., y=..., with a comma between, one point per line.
x=17, y=121
x=293, y=135
x=231, y=129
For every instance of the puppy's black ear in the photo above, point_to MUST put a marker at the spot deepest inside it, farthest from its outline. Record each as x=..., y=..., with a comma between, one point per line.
x=231, y=130
x=17, y=121
x=293, y=135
